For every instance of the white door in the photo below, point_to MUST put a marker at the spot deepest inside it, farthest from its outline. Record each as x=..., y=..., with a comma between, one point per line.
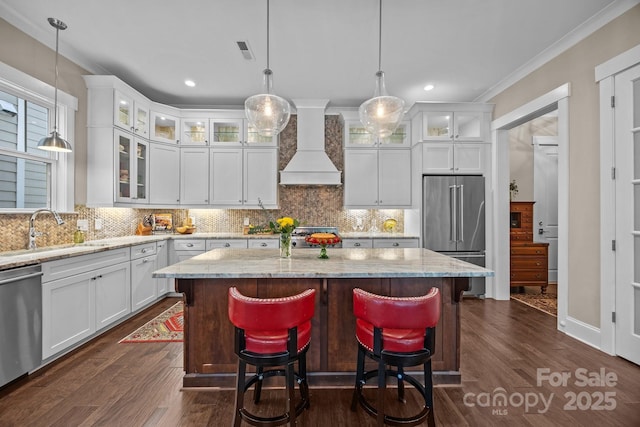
x=545, y=193
x=627, y=161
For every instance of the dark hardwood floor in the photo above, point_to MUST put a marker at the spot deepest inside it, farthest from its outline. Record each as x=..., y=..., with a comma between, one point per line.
x=504, y=344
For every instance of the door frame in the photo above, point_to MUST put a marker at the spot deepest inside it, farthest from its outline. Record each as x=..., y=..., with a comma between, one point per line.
x=604, y=76
x=498, y=287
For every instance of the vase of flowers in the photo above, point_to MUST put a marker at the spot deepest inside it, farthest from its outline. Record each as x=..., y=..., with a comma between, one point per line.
x=513, y=190
x=284, y=226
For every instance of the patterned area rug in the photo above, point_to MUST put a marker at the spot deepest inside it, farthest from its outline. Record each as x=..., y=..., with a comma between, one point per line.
x=166, y=327
x=547, y=303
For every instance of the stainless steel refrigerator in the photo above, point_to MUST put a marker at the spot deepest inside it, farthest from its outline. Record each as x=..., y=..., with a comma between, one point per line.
x=453, y=220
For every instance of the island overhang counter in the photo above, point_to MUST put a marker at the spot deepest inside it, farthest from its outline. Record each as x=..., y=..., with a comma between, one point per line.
x=204, y=280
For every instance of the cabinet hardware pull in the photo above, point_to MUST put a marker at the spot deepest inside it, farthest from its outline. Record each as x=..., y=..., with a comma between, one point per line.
x=263, y=244
x=226, y=245
x=396, y=244
x=189, y=245
x=356, y=244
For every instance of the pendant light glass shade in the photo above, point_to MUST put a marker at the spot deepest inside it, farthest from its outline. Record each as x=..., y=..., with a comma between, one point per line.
x=55, y=142
x=267, y=113
x=381, y=114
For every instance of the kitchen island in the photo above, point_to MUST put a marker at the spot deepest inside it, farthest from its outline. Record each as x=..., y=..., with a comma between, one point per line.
x=209, y=359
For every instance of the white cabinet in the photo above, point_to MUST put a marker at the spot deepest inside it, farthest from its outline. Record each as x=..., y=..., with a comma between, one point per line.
x=113, y=294
x=132, y=176
x=194, y=176
x=226, y=244
x=234, y=132
x=164, y=174
x=163, y=284
x=264, y=243
x=241, y=177
x=184, y=249
x=143, y=286
x=376, y=178
x=81, y=295
x=453, y=158
x=131, y=114
x=194, y=131
x=400, y=242
x=356, y=136
x=357, y=243
x=165, y=128
x=452, y=125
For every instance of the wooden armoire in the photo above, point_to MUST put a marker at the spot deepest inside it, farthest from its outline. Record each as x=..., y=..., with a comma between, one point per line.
x=529, y=259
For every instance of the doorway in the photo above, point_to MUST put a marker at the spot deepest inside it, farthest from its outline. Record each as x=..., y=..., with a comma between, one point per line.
x=556, y=99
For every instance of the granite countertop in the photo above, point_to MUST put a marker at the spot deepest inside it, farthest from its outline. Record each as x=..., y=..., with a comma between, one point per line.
x=376, y=235
x=23, y=257
x=342, y=263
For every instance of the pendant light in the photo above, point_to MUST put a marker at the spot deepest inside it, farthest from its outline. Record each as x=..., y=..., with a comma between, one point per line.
x=381, y=114
x=55, y=142
x=267, y=113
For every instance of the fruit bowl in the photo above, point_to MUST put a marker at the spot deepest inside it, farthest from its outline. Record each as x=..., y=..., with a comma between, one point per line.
x=323, y=240
x=185, y=230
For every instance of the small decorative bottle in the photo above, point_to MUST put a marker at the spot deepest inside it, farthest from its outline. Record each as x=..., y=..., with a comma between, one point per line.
x=78, y=236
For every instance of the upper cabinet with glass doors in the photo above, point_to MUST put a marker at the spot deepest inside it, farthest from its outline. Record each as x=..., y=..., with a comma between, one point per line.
x=131, y=114
x=165, y=128
x=456, y=126
x=194, y=131
x=132, y=176
x=235, y=132
x=356, y=136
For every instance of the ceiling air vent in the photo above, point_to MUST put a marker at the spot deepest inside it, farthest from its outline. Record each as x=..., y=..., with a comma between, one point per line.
x=243, y=45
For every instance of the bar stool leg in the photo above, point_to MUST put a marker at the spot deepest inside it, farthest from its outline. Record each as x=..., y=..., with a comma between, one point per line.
x=257, y=391
x=291, y=405
x=359, y=377
x=382, y=384
x=428, y=390
x=237, y=419
x=401, y=385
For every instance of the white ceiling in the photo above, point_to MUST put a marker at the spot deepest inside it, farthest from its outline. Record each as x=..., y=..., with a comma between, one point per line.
x=319, y=49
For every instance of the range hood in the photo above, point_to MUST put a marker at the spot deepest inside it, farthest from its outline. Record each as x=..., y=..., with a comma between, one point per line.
x=310, y=165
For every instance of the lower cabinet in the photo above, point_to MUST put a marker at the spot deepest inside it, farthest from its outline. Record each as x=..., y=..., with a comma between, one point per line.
x=143, y=286
x=82, y=295
x=385, y=242
x=163, y=284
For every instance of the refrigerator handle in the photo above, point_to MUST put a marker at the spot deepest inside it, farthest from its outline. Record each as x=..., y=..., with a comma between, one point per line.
x=460, y=233
x=453, y=210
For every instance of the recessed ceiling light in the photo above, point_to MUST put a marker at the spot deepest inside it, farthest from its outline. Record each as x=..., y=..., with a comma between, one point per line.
x=429, y=87
x=190, y=83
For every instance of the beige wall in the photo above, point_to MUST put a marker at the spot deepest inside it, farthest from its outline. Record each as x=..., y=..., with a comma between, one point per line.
x=576, y=66
x=32, y=57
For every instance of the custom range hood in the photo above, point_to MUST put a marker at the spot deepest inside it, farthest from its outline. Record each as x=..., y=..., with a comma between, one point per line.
x=310, y=165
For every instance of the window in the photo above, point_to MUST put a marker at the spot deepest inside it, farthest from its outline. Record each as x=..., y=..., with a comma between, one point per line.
x=25, y=171
x=31, y=178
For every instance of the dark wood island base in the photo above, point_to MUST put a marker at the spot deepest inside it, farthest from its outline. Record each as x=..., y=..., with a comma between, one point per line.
x=209, y=359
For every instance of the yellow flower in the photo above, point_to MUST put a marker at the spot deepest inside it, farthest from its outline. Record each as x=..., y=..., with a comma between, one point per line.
x=285, y=222
x=284, y=225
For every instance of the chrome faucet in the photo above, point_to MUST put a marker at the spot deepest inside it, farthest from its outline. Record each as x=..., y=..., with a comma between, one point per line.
x=32, y=227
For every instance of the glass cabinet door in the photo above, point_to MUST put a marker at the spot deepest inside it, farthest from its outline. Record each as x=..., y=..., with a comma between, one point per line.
x=142, y=172
x=227, y=132
x=357, y=135
x=437, y=125
x=165, y=128
x=123, y=111
x=141, y=120
x=195, y=132
x=399, y=137
x=124, y=145
x=254, y=138
x=468, y=126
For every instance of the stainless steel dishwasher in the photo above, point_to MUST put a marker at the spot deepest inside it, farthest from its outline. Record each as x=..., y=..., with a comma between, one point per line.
x=20, y=321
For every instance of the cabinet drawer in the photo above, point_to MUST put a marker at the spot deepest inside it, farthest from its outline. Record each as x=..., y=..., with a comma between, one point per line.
x=528, y=276
x=140, y=251
x=395, y=243
x=533, y=263
x=529, y=250
x=55, y=270
x=357, y=243
x=264, y=243
x=189, y=245
x=522, y=236
x=227, y=243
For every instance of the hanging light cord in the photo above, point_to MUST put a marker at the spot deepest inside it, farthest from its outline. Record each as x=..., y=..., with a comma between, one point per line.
x=379, y=39
x=55, y=96
x=268, y=35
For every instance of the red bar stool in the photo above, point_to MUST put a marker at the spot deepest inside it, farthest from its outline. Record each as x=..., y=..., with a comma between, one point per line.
x=395, y=332
x=271, y=333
